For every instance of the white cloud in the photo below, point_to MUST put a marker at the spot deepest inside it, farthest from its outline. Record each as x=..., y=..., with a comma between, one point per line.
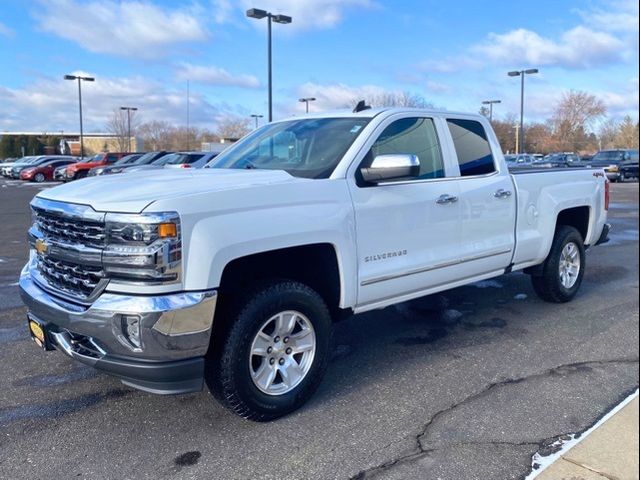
x=579, y=47
x=602, y=36
x=6, y=31
x=310, y=14
x=212, y=75
x=126, y=28
x=52, y=104
x=617, y=16
x=335, y=96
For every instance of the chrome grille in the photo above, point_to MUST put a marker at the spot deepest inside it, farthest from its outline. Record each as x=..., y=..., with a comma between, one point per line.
x=70, y=230
x=70, y=277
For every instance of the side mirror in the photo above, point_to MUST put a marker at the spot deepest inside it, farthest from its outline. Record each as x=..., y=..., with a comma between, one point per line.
x=386, y=168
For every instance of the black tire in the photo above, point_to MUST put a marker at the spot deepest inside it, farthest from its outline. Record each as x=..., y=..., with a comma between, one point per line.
x=39, y=177
x=227, y=371
x=548, y=285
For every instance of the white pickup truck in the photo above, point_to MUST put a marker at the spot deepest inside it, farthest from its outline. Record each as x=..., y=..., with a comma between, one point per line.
x=233, y=274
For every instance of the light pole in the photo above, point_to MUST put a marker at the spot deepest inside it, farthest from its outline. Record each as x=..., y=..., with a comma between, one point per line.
x=284, y=19
x=490, y=103
x=521, y=74
x=129, y=110
x=306, y=101
x=256, y=117
x=86, y=79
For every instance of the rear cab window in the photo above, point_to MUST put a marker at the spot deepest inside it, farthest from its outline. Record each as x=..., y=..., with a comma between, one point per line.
x=472, y=147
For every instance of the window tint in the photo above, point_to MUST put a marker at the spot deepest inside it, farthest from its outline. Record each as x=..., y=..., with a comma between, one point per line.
x=413, y=136
x=472, y=147
x=111, y=158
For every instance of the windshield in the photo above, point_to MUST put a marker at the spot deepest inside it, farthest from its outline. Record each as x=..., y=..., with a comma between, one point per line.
x=144, y=159
x=180, y=158
x=96, y=158
x=608, y=156
x=309, y=148
x=127, y=159
x=163, y=160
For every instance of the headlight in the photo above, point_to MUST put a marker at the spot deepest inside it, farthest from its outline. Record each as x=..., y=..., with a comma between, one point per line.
x=143, y=247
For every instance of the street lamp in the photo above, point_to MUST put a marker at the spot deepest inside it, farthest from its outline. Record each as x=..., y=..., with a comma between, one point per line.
x=284, y=19
x=306, y=101
x=256, y=117
x=521, y=74
x=490, y=103
x=86, y=79
x=129, y=110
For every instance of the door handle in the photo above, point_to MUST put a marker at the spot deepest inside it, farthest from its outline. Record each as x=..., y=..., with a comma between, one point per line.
x=446, y=198
x=502, y=193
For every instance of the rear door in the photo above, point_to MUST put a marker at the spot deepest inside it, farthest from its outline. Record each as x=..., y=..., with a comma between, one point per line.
x=487, y=199
x=407, y=237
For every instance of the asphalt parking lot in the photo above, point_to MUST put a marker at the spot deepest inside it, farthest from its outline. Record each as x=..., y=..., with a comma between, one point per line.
x=468, y=384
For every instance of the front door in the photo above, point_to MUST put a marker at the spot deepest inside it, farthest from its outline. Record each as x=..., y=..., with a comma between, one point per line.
x=407, y=231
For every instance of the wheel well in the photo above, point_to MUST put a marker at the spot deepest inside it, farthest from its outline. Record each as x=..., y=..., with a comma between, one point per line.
x=314, y=265
x=577, y=217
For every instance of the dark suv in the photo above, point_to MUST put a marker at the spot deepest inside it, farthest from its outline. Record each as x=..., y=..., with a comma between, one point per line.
x=611, y=161
x=629, y=168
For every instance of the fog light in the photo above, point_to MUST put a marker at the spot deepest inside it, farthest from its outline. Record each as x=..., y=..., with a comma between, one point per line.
x=131, y=329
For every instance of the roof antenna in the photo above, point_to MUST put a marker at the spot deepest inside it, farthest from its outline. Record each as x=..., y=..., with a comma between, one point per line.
x=361, y=106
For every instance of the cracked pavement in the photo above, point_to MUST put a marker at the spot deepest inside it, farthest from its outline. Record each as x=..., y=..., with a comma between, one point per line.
x=467, y=384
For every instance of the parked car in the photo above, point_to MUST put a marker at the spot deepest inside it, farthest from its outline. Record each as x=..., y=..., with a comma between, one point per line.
x=126, y=160
x=610, y=160
x=190, y=159
x=18, y=167
x=6, y=168
x=234, y=274
x=145, y=159
x=176, y=160
x=7, y=162
x=519, y=160
x=45, y=170
x=59, y=173
x=629, y=168
x=81, y=169
x=556, y=160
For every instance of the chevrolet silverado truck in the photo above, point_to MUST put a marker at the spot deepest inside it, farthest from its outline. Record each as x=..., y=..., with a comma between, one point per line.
x=232, y=275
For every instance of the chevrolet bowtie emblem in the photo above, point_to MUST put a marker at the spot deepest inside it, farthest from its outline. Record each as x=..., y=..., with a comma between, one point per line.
x=41, y=247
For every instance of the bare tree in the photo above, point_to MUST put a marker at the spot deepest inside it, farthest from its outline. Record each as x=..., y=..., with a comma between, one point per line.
x=118, y=125
x=157, y=135
x=233, y=127
x=572, y=119
x=627, y=134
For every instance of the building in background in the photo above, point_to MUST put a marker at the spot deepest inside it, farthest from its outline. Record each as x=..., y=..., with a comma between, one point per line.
x=19, y=144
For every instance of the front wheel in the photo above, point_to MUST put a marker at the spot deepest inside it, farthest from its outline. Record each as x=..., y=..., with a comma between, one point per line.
x=274, y=353
x=39, y=177
x=563, y=269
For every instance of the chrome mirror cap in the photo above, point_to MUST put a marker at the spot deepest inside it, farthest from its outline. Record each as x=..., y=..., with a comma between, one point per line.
x=386, y=168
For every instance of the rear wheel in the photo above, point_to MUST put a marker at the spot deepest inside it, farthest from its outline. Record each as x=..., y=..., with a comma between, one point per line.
x=563, y=269
x=275, y=351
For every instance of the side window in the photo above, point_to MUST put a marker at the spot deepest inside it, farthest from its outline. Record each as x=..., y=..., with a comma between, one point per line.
x=472, y=147
x=112, y=158
x=413, y=136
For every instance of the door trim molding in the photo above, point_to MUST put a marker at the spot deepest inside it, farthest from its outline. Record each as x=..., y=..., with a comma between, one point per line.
x=451, y=263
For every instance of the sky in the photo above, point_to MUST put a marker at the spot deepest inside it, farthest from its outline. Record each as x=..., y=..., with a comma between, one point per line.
x=454, y=53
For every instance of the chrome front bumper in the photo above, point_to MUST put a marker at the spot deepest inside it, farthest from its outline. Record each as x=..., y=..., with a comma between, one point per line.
x=175, y=330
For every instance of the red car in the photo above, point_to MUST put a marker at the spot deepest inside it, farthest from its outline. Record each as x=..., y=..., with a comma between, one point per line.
x=44, y=171
x=81, y=169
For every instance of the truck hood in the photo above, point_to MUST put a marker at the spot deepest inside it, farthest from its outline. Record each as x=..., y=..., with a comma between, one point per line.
x=132, y=193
